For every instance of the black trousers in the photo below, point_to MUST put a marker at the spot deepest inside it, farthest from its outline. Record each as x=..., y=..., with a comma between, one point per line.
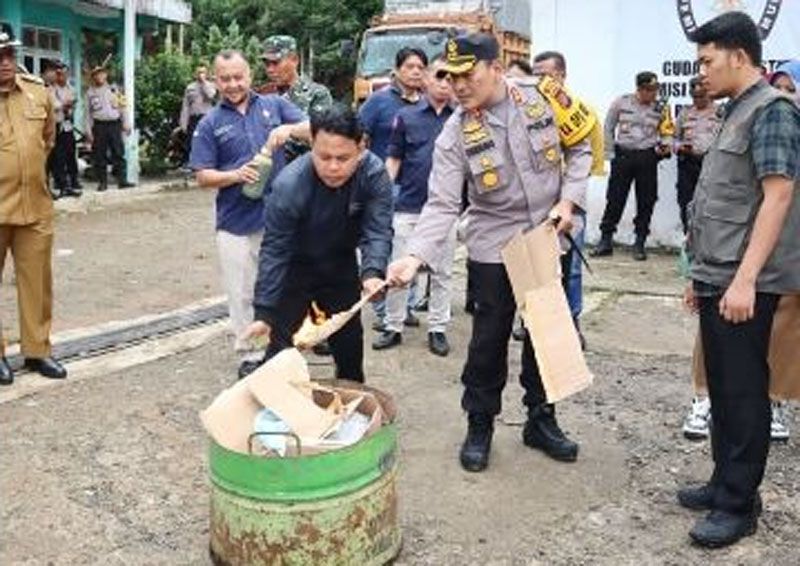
x=107, y=148
x=738, y=386
x=332, y=296
x=689, y=167
x=190, y=128
x=63, y=162
x=641, y=167
x=486, y=370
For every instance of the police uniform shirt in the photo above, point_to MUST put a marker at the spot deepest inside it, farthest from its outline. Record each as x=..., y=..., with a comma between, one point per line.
x=102, y=104
x=633, y=125
x=64, y=96
x=697, y=127
x=198, y=100
x=512, y=187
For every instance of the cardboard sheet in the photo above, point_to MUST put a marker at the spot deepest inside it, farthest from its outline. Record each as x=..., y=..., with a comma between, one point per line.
x=532, y=260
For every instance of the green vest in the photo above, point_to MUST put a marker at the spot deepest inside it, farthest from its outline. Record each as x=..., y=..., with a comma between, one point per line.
x=726, y=202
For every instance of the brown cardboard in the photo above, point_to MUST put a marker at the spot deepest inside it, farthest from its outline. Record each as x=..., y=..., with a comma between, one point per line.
x=273, y=385
x=283, y=384
x=532, y=262
x=556, y=345
x=229, y=419
x=784, y=353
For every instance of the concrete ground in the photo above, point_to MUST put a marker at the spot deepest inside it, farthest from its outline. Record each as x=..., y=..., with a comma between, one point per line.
x=109, y=466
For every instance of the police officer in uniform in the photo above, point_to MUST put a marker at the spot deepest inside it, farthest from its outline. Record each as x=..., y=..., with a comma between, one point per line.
x=62, y=159
x=695, y=128
x=281, y=62
x=504, y=142
x=198, y=100
x=106, y=120
x=638, y=132
x=27, y=131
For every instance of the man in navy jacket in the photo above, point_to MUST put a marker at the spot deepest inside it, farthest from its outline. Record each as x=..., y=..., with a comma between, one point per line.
x=323, y=207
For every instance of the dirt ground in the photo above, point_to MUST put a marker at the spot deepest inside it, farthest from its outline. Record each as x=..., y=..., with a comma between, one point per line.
x=112, y=470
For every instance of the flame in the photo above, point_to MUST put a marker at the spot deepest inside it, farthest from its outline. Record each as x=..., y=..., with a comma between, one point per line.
x=317, y=315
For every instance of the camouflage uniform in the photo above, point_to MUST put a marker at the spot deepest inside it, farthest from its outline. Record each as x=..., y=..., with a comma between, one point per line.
x=307, y=95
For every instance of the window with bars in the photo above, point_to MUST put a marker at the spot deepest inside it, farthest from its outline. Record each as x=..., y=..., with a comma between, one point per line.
x=41, y=38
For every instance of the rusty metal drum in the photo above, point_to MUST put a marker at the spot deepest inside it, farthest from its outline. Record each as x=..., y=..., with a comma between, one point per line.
x=338, y=507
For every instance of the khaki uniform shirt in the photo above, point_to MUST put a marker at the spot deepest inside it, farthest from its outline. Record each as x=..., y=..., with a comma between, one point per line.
x=27, y=131
x=697, y=127
x=103, y=104
x=512, y=187
x=198, y=99
x=632, y=125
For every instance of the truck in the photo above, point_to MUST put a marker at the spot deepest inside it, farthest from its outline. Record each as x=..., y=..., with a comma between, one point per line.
x=428, y=24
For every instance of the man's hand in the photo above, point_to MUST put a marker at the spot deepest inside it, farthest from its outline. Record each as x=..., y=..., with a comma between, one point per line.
x=258, y=331
x=279, y=136
x=562, y=216
x=663, y=150
x=371, y=286
x=690, y=300
x=684, y=149
x=739, y=301
x=401, y=272
x=246, y=174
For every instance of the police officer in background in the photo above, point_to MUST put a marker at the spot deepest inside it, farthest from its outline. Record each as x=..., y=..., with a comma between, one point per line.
x=27, y=131
x=695, y=128
x=198, y=100
x=63, y=163
x=638, y=132
x=504, y=142
x=106, y=120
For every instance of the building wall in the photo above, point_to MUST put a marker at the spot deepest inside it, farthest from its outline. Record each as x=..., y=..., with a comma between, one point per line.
x=606, y=42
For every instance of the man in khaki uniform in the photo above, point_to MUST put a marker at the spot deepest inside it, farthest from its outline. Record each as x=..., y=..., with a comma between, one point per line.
x=27, y=129
x=504, y=143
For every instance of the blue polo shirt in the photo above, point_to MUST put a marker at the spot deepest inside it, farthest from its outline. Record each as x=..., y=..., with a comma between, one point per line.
x=226, y=139
x=377, y=116
x=415, y=131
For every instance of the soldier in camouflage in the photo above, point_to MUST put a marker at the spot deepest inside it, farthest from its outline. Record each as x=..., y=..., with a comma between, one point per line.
x=281, y=62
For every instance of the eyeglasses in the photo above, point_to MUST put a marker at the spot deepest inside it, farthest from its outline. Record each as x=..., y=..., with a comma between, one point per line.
x=441, y=75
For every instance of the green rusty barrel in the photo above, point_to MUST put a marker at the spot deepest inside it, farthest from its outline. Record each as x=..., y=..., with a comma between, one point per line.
x=338, y=507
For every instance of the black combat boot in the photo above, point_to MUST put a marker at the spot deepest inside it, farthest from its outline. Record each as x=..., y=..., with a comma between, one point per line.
x=542, y=432
x=639, y=253
x=478, y=443
x=605, y=247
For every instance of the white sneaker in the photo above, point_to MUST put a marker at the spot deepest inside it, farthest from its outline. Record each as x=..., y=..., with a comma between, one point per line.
x=697, y=422
x=779, y=431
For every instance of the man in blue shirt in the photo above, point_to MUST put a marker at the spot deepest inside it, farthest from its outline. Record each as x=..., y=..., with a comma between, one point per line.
x=323, y=206
x=223, y=147
x=409, y=161
x=377, y=114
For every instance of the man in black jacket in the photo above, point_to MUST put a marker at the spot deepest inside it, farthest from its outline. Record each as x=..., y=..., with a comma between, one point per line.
x=324, y=206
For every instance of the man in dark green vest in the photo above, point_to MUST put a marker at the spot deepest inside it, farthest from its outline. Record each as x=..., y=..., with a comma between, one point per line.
x=743, y=240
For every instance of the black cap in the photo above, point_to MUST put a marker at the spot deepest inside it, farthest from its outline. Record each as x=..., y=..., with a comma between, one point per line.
x=646, y=79
x=464, y=51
